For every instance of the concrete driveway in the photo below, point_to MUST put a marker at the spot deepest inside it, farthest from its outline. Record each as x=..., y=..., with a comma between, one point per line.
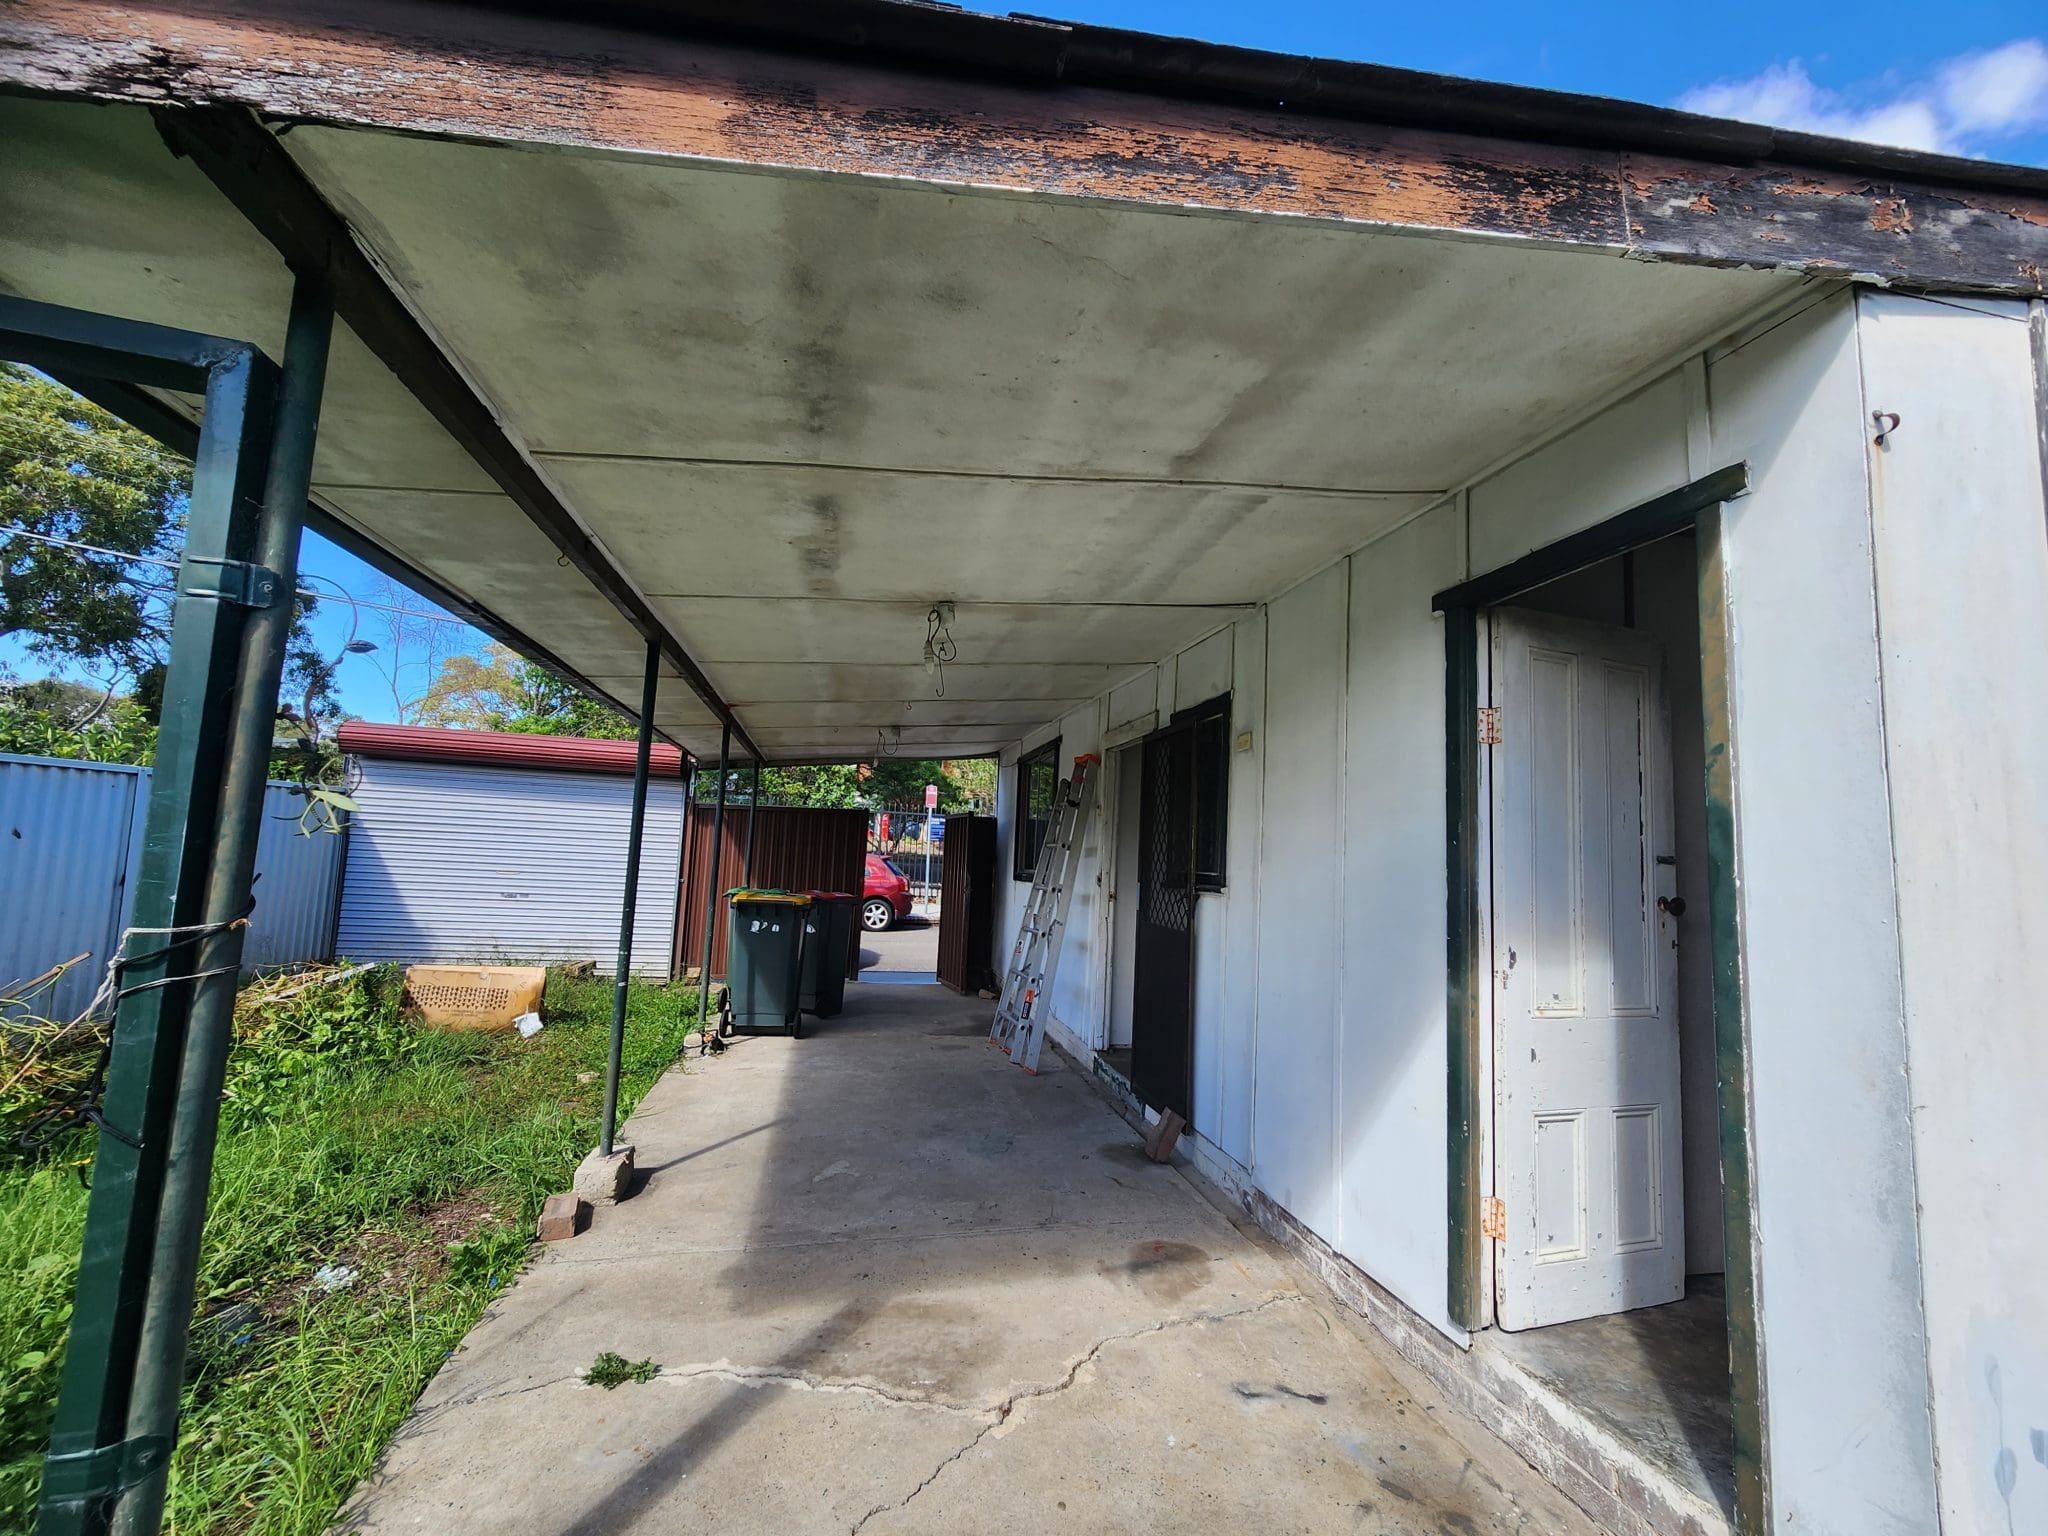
x=895, y=1284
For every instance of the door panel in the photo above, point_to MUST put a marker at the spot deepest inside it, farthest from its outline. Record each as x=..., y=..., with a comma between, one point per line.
x=1586, y=1095
x=1162, y=1013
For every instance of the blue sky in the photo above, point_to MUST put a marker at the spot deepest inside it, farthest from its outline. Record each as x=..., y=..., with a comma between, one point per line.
x=1965, y=79
x=1972, y=79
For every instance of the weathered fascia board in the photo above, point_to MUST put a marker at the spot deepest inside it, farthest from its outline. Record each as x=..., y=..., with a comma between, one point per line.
x=474, y=73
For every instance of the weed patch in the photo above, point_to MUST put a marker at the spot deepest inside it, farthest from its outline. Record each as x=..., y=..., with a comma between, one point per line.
x=611, y=1370
x=402, y=1167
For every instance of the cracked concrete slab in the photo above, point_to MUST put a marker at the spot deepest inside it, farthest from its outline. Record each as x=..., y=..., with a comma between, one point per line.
x=894, y=1284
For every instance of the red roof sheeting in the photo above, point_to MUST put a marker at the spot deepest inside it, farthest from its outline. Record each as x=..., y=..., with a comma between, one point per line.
x=504, y=749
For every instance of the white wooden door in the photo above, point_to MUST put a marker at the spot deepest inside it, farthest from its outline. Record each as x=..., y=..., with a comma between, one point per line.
x=1587, y=1160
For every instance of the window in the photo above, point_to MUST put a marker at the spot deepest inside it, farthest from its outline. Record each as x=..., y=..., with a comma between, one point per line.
x=1038, y=783
x=1211, y=722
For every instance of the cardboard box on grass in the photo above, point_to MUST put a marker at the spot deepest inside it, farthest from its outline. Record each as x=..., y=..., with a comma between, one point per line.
x=488, y=997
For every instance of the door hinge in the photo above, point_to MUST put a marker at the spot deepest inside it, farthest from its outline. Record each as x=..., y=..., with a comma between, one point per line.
x=1489, y=726
x=1493, y=1218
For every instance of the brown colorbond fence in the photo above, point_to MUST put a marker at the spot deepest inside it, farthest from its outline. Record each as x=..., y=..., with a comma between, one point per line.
x=967, y=909
x=795, y=849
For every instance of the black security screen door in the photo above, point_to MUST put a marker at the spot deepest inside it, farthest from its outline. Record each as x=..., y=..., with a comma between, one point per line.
x=1163, y=980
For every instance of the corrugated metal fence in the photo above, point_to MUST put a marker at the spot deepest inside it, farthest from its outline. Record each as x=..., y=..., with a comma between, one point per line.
x=70, y=841
x=452, y=862
x=795, y=849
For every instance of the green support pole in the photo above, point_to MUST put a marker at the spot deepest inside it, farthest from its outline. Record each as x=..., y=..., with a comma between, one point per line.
x=677, y=960
x=622, y=976
x=98, y=1450
x=706, y=1030
x=753, y=804
x=91, y=1456
x=217, y=957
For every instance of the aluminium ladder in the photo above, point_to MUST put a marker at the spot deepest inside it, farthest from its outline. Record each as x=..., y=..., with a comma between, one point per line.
x=1019, y=1028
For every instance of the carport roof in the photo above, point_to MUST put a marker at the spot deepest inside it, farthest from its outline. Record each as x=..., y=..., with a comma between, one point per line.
x=758, y=334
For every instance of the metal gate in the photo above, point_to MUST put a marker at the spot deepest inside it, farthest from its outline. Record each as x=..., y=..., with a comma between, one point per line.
x=1163, y=977
x=967, y=908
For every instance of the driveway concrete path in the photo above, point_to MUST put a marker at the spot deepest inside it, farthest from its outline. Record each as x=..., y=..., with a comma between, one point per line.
x=895, y=1284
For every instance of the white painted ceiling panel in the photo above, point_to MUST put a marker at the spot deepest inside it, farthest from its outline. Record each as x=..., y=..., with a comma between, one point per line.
x=797, y=410
x=751, y=682
x=913, y=741
x=817, y=629
x=869, y=713
x=663, y=307
x=797, y=531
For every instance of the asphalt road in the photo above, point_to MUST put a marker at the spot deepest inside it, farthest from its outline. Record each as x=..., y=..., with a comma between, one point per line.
x=912, y=945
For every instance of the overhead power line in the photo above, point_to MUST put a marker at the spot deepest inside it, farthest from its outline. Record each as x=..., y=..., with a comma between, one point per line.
x=340, y=593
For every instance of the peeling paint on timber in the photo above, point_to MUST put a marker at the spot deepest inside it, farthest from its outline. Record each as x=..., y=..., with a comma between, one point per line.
x=467, y=72
x=1910, y=234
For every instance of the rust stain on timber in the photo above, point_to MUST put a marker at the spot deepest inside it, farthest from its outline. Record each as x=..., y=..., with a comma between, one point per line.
x=1892, y=215
x=377, y=66
x=1099, y=144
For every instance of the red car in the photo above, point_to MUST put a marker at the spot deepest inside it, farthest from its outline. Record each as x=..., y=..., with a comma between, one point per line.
x=885, y=897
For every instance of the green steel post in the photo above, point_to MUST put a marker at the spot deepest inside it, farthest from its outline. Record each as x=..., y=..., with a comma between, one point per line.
x=622, y=978
x=1464, y=965
x=705, y=1028
x=92, y=1454
x=753, y=804
x=677, y=960
x=217, y=958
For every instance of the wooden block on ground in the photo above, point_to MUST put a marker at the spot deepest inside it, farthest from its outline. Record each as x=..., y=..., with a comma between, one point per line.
x=560, y=1217
x=1159, y=1143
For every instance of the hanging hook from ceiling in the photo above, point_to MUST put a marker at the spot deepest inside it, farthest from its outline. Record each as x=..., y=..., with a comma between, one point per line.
x=939, y=647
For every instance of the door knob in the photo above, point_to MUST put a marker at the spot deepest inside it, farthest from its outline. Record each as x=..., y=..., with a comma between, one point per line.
x=1675, y=905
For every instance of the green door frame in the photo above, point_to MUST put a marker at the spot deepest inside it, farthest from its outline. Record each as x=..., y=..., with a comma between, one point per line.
x=1698, y=506
x=117, y=1408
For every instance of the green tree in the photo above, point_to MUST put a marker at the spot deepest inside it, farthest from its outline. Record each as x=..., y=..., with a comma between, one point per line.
x=99, y=599
x=976, y=778
x=53, y=717
x=499, y=691
x=895, y=781
x=968, y=784
x=71, y=471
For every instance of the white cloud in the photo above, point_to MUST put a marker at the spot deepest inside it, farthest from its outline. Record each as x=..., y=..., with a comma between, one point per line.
x=2003, y=91
x=1963, y=106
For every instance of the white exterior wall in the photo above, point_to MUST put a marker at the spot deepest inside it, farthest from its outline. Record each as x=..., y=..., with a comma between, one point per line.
x=1300, y=927
x=1320, y=1032
x=1394, y=1054
x=1832, y=1170
x=1962, y=580
x=453, y=863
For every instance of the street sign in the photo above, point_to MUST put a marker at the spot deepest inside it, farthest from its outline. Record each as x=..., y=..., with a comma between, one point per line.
x=931, y=797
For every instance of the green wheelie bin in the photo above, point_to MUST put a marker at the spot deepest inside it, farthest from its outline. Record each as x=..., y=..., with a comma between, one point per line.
x=764, y=959
x=828, y=934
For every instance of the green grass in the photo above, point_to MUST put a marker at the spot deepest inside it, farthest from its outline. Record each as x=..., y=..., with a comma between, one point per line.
x=417, y=1158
